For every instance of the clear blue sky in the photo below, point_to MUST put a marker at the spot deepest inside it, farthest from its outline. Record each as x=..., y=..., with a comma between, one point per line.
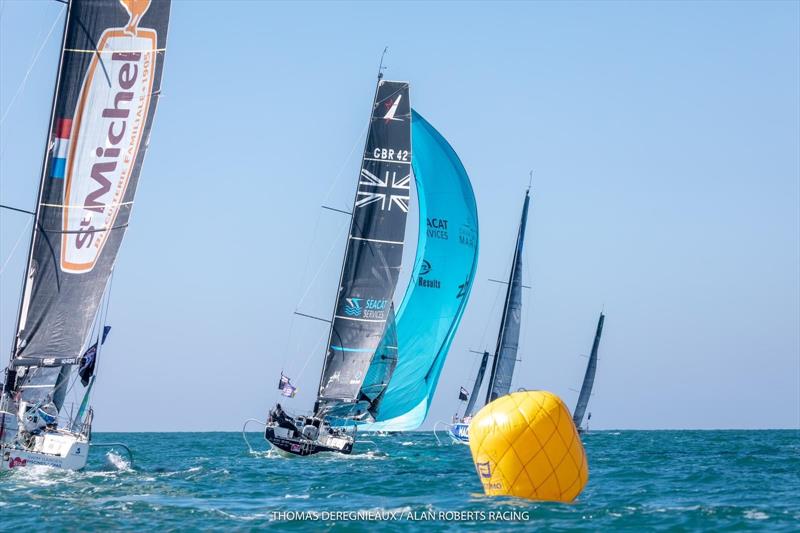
x=664, y=137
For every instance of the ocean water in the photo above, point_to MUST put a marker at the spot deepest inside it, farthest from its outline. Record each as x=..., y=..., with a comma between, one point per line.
x=722, y=480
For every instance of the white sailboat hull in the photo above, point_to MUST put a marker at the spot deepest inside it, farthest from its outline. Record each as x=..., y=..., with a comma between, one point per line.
x=65, y=450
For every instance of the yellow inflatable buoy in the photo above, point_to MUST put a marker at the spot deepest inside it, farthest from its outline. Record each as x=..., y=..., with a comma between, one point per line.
x=526, y=445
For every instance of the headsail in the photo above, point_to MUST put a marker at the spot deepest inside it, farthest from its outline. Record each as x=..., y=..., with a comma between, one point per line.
x=477, y=387
x=373, y=256
x=105, y=98
x=444, y=268
x=508, y=340
x=588, y=378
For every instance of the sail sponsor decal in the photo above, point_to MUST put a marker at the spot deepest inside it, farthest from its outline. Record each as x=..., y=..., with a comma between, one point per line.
x=467, y=236
x=463, y=288
x=106, y=133
x=391, y=108
x=437, y=228
x=428, y=283
x=365, y=308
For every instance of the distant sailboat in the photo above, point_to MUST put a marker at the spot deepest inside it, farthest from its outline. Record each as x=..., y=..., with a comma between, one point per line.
x=505, y=356
x=107, y=87
x=362, y=344
x=588, y=379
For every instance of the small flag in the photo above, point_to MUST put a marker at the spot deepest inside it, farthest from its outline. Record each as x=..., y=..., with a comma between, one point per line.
x=86, y=370
x=463, y=394
x=286, y=387
x=106, y=329
x=590, y=416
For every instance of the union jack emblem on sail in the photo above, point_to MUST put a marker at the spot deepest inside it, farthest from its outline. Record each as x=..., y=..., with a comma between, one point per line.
x=388, y=191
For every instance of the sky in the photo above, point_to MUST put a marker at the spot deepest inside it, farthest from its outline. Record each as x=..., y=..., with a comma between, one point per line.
x=664, y=139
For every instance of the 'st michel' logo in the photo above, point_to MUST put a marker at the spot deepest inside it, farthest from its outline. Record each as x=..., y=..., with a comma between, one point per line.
x=95, y=151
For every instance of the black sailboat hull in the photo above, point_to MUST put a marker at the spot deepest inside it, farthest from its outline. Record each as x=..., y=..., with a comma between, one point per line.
x=302, y=446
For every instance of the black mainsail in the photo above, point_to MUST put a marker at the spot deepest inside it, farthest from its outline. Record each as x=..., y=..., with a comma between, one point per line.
x=508, y=340
x=363, y=314
x=588, y=378
x=106, y=93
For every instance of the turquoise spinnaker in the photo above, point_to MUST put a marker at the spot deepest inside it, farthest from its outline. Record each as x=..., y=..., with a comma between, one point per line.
x=444, y=269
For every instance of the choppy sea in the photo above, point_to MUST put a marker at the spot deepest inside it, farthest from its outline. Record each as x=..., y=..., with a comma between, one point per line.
x=721, y=480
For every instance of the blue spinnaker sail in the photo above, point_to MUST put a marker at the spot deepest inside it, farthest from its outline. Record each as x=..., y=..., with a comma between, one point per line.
x=444, y=268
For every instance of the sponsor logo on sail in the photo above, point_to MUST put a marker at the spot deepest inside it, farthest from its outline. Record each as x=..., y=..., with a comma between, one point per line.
x=467, y=236
x=96, y=150
x=389, y=191
x=391, y=108
x=437, y=228
x=352, y=306
x=462, y=289
x=424, y=270
x=365, y=308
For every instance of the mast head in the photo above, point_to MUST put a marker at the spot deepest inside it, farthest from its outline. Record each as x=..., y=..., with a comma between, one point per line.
x=381, y=68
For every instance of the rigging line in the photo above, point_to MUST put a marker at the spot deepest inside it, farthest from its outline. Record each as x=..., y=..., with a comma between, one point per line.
x=33, y=63
x=19, y=239
x=17, y=209
x=317, y=346
x=310, y=284
x=102, y=321
x=314, y=234
x=334, y=244
x=347, y=160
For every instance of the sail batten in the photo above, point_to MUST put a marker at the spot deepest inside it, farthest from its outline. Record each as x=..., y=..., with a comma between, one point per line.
x=508, y=339
x=363, y=314
x=588, y=378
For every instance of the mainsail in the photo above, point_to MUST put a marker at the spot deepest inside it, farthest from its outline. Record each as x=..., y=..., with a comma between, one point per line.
x=508, y=340
x=477, y=386
x=363, y=312
x=106, y=93
x=444, y=268
x=588, y=378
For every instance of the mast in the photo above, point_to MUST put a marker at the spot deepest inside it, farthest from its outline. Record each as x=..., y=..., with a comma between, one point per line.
x=508, y=337
x=477, y=387
x=588, y=378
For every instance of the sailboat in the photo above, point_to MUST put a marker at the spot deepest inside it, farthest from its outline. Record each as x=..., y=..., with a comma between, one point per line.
x=107, y=88
x=505, y=355
x=588, y=379
x=362, y=348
